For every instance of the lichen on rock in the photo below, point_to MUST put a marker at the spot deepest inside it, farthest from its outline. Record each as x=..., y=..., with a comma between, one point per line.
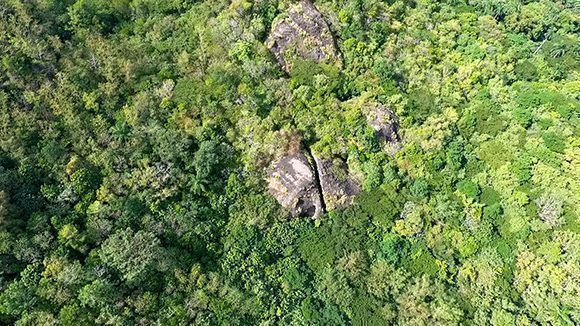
x=338, y=186
x=307, y=185
x=302, y=33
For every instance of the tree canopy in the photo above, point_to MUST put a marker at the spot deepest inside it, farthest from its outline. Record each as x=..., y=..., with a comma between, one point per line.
x=136, y=137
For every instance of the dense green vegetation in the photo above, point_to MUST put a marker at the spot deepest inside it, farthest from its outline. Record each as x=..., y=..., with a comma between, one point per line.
x=134, y=135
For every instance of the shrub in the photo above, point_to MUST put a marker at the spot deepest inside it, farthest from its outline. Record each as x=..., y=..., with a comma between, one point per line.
x=554, y=142
x=469, y=188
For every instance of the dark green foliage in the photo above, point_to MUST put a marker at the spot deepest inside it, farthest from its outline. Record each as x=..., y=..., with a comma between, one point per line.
x=103, y=16
x=498, y=9
x=381, y=206
x=523, y=115
x=526, y=70
x=136, y=138
x=134, y=255
x=304, y=73
x=469, y=189
x=421, y=105
x=85, y=180
x=489, y=196
x=19, y=297
x=419, y=188
x=522, y=168
x=393, y=249
x=554, y=142
x=421, y=261
x=327, y=314
x=455, y=157
x=366, y=310
x=492, y=213
x=209, y=162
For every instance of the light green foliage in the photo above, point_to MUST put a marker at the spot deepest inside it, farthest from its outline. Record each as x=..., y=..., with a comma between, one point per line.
x=412, y=220
x=424, y=302
x=546, y=279
x=135, y=137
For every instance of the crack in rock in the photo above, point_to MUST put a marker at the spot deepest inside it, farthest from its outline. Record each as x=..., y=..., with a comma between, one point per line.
x=337, y=186
x=317, y=182
x=292, y=183
x=307, y=185
x=303, y=183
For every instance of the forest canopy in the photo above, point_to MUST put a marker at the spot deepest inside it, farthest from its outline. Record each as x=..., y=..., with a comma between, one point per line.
x=150, y=153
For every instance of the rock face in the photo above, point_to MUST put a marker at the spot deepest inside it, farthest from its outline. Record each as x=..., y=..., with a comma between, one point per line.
x=293, y=184
x=386, y=125
x=307, y=185
x=337, y=185
x=303, y=34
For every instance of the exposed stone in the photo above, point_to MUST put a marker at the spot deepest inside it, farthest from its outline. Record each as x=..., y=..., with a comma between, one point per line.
x=293, y=183
x=302, y=33
x=386, y=125
x=337, y=185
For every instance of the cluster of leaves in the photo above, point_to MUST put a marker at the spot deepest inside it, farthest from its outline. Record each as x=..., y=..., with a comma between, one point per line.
x=134, y=136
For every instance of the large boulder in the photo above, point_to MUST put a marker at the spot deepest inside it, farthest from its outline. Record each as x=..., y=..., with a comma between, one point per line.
x=307, y=185
x=337, y=184
x=293, y=183
x=302, y=34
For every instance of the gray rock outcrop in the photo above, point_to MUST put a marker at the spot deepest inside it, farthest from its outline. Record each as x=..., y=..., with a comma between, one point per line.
x=302, y=34
x=337, y=185
x=307, y=185
x=293, y=183
x=386, y=126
